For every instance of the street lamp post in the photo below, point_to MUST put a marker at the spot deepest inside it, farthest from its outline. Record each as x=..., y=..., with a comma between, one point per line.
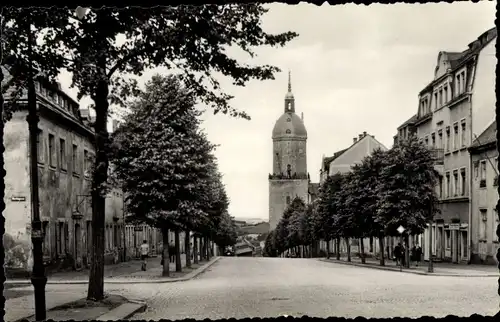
x=38, y=278
x=401, y=230
x=430, y=268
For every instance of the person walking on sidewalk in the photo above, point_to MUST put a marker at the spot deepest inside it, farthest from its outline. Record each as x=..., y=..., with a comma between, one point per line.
x=397, y=253
x=416, y=253
x=144, y=254
x=171, y=251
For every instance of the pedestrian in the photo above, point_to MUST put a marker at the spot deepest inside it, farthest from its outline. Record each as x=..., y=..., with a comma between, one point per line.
x=171, y=251
x=397, y=253
x=403, y=255
x=144, y=254
x=416, y=254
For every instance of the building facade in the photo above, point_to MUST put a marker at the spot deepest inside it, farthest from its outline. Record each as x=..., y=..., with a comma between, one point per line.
x=65, y=158
x=459, y=102
x=406, y=130
x=484, y=197
x=290, y=178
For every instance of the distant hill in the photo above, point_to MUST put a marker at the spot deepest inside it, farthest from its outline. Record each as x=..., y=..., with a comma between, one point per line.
x=259, y=228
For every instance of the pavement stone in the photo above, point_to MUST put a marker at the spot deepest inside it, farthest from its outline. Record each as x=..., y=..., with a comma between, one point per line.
x=124, y=311
x=271, y=287
x=440, y=269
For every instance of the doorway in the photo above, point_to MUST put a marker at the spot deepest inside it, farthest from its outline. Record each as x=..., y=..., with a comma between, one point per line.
x=77, y=252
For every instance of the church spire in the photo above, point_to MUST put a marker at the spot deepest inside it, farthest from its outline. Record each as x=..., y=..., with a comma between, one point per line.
x=289, y=99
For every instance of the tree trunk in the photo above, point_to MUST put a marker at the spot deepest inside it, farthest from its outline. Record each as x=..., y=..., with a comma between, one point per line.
x=100, y=176
x=327, y=249
x=187, y=247
x=362, y=250
x=371, y=244
x=348, y=249
x=407, y=251
x=338, y=248
x=207, y=248
x=381, y=246
x=165, y=255
x=178, y=263
x=195, y=249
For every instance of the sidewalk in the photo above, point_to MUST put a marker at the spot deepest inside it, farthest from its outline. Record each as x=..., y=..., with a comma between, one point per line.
x=440, y=269
x=115, y=307
x=127, y=272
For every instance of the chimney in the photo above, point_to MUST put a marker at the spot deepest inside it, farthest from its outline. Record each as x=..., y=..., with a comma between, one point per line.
x=354, y=140
x=360, y=136
x=364, y=133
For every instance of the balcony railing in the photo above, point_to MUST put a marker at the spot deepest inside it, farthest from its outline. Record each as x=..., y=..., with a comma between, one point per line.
x=437, y=156
x=286, y=176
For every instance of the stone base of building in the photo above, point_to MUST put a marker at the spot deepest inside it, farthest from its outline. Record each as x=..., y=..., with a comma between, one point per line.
x=483, y=259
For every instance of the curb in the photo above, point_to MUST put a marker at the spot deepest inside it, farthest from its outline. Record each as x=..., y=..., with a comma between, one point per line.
x=110, y=316
x=384, y=268
x=126, y=281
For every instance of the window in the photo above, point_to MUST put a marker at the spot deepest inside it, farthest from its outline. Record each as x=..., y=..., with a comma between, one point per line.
x=455, y=183
x=447, y=143
x=448, y=185
x=39, y=146
x=74, y=158
x=463, y=184
x=288, y=131
x=464, y=133
x=440, y=139
x=496, y=221
x=445, y=92
x=484, y=222
x=85, y=162
x=460, y=83
x=52, y=150
x=435, y=100
x=482, y=183
x=455, y=136
x=60, y=239
x=62, y=154
x=433, y=140
x=440, y=191
x=426, y=140
x=440, y=97
x=287, y=200
x=476, y=169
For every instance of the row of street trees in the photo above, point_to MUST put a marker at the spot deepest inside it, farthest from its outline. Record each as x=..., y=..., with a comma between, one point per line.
x=101, y=49
x=166, y=167
x=386, y=190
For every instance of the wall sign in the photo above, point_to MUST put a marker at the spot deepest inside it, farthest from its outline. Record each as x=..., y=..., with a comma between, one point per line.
x=18, y=198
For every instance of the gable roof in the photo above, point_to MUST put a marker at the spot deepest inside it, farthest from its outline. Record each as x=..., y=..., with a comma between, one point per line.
x=487, y=137
x=411, y=120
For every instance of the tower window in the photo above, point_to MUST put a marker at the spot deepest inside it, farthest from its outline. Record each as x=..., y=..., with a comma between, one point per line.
x=288, y=131
x=287, y=200
x=288, y=119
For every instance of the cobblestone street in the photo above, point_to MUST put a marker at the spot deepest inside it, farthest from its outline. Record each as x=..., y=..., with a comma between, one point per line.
x=268, y=287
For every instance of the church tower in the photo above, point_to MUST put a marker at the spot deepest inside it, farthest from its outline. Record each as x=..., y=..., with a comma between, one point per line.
x=289, y=178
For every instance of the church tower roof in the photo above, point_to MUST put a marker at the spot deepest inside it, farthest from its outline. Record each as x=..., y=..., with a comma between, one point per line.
x=289, y=125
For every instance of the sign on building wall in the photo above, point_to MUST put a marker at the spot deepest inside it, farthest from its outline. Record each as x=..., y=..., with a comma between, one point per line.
x=18, y=198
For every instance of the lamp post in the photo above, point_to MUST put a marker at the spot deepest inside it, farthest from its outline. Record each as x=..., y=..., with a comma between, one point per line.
x=430, y=268
x=38, y=278
x=401, y=230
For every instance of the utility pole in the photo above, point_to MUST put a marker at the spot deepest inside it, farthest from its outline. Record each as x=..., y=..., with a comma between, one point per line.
x=38, y=278
x=430, y=268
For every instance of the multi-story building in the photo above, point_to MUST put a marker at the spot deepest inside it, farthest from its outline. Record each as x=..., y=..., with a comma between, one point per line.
x=406, y=130
x=484, y=197
x=65, y=155
x=458, y=102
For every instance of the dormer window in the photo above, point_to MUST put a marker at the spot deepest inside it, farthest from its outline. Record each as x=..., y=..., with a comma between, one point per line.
x=288, y=119
x=288, y=131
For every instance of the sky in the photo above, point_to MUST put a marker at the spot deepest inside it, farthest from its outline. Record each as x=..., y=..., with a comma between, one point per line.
x=354, y=68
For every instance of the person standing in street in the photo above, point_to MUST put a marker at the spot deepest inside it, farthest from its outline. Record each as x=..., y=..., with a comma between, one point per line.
x=144, y=254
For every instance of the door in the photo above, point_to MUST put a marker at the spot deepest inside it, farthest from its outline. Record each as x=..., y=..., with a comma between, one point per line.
x=77, y=252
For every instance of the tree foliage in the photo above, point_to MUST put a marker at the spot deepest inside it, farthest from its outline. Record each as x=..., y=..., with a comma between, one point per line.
x=385, y=190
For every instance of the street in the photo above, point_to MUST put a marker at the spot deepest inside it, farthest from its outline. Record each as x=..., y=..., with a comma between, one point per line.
x=269, y=287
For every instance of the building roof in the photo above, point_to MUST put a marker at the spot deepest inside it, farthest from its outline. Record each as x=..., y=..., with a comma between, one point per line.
x=289, y=125
x=411, y=120
x=487, y=137
x=457, y=59
x=328, y=160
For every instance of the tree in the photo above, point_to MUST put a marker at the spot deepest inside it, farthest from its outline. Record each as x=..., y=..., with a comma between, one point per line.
x=297, y=226
x=190, y=39
x=270, y=245
x=283, y=241
x=407, y=189
x=327, y=208
x=363, y=195
x=162, y=159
